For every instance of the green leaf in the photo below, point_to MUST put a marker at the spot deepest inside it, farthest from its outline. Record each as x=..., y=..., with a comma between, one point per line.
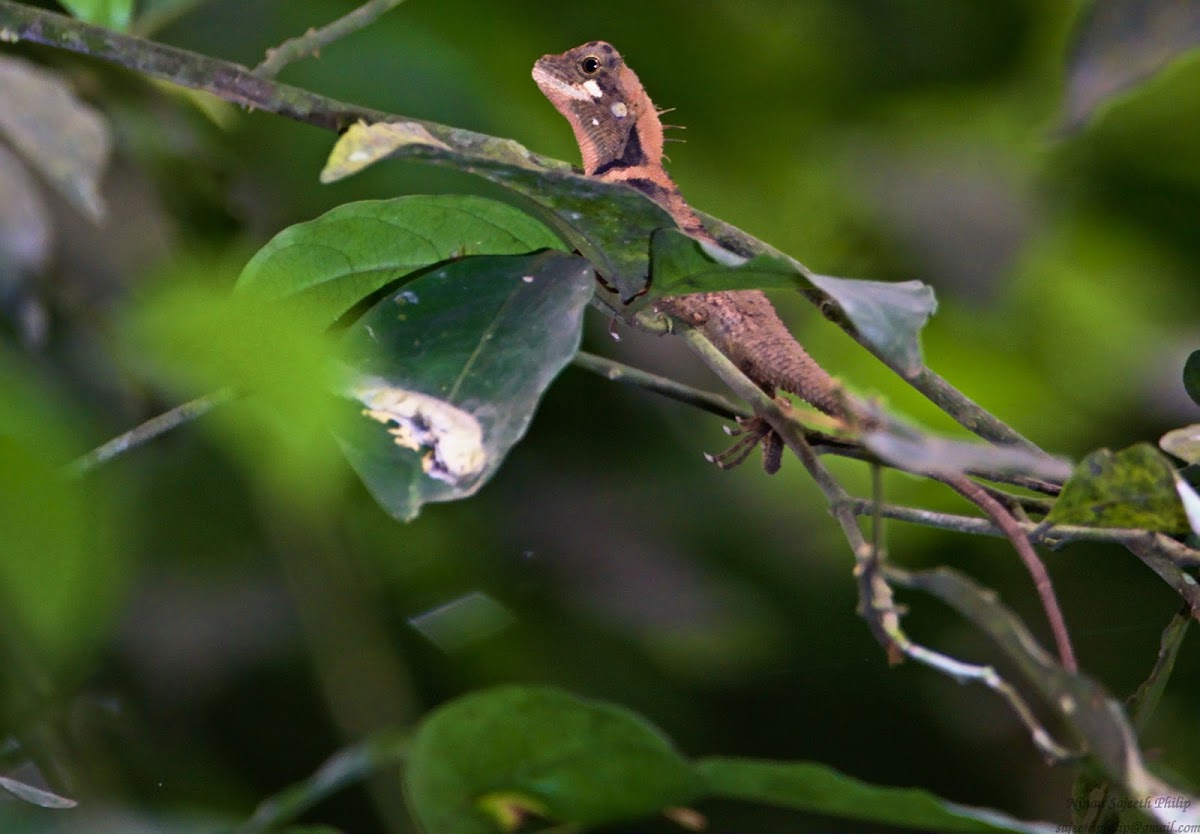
x=1133, y=488
x=888, y=316
x=608, y=224
x=63, y=137
x=334, y=261
x=115, y=14
x=818, y=789
x=1191, y=376
x=449, y=369
x=487, y=760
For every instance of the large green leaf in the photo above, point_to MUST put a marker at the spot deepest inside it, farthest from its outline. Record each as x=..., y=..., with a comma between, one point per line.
x=609, y=224
x=1132, y=488
x=449, y=369
x=807, y=786
x=483, y=762
x=888, y=316
x=334, y=261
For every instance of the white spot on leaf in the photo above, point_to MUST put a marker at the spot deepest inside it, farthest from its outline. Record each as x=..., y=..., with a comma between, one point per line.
x=450, y=438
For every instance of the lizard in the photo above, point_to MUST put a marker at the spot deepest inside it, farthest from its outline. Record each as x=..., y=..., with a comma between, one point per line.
x=620, y=138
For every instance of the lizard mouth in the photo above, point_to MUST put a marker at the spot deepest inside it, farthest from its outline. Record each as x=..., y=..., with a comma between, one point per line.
x=551, y=83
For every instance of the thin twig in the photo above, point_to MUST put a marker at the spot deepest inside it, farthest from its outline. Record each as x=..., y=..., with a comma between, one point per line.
x=1020, y=541
x=314, y=40
x=1054, y=536
x=615, y=371
x=147, y=431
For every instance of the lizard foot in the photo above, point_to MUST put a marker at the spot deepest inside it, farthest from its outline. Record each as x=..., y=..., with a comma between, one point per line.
x=750, y=432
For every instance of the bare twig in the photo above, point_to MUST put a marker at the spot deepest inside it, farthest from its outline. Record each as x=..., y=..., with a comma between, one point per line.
x=1020, y=541
x=147, y=431
x=1054, y=536
x=314, y=40
x=615, y=371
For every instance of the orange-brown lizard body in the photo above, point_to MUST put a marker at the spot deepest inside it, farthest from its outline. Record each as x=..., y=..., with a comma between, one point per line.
x=621, y=140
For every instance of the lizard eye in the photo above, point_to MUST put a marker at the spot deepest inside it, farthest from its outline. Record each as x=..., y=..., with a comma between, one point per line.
x=590, y=65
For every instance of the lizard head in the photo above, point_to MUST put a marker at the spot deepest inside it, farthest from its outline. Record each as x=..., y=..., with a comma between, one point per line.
x=609, y=112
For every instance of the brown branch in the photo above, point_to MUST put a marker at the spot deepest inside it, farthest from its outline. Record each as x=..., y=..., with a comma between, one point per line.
x=224, y=79
x=314, y=40
x=1020, y=541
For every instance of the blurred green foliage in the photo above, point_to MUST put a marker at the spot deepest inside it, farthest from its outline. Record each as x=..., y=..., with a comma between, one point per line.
x=205, y=619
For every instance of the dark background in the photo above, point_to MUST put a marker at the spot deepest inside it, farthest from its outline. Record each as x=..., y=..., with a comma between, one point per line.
x=870, y=138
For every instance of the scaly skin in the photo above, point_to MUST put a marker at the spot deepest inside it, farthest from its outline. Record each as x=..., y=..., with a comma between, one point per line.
x=621, y=140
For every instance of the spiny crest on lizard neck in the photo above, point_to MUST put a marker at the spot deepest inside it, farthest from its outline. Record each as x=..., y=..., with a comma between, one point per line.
x=614, y=121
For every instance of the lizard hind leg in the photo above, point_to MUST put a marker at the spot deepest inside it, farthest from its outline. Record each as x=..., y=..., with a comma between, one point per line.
x=750, y=432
